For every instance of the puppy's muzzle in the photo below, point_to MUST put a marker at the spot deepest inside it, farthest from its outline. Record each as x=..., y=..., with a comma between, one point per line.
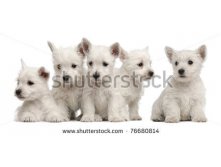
x=96, y=75
x=150, y=73
x=66, y=78
x=181, y=72
x=18, y=92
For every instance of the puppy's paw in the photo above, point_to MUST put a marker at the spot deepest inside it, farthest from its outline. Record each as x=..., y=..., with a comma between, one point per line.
x=29, y=118
x=56, y=118
x=135, y=117
x=157, y=118
x=172, y=119
x=87, y=118
x=97, y=118
x=116, y=119
x=199, y=118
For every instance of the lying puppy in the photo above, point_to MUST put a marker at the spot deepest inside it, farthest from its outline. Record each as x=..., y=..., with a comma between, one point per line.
x=39, y=104
x=68, y=80
x=184, y=98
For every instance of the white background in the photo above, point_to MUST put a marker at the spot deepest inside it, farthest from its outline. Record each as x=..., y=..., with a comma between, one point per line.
x=25, y=26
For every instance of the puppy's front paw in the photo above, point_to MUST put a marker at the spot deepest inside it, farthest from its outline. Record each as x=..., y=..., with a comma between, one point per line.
x=157, y=118
x=28, y=119
x=97, y=118
x=135, y=117
x=56, y=118
x=116, y=119
x=172, y=119
x=199, y=118
x=87, y=118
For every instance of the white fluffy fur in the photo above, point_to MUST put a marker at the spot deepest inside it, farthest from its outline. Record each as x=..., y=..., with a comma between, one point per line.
x=68, y=62
x=184, y=98
x=135, y=69
x=39, y=104
x=95, y=97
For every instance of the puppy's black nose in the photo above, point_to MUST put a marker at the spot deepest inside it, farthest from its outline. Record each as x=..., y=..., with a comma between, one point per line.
x=96, y=75
x=150, y=73
x=18, y=92
x=66, y=78
x=181, y=71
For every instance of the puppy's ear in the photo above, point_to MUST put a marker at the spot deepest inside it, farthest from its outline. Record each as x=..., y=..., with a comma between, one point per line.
x=86, y=45
x=169, y=52
x=23, y=65
x=202, y=51
x=43, y=73
x=51, y=46
x=123, y=54
x=115, y=49
x=80, y=50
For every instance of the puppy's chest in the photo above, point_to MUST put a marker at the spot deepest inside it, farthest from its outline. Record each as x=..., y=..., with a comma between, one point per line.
x=35, y=106
x=101, y=99
x=72, y=100
x=186, y=97
x=132, y=93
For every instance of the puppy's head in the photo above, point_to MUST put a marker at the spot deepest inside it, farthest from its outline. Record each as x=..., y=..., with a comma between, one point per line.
x=137, y=63
x=68, y=64
x=32, y=83
x=100, y=60
x=186, y=63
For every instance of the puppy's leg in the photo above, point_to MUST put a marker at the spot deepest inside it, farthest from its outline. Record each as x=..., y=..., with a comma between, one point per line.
x=197, y=114
x=26, y=116
x=124, y=113
x=157, y=113
x=56, y=112
x=56, y=116
x=171, y=111
x=114, y=108
x=133, y=110
x=88, y=109
x=97, y=118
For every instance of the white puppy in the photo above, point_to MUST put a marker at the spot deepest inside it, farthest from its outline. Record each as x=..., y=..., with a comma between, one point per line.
x=68, y=79
x=128, y=90
x=96, y=94
x=183, y=99
x=39, y=104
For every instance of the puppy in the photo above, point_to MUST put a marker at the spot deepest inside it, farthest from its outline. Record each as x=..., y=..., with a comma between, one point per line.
x=38, y=105
x=135, y=69
x=68, y=79
x=100, y=61
x=184, y=98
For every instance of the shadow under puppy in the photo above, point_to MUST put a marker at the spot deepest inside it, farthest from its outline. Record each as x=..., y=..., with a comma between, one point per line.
x=39, y=104
x=184, y=97
x=68, y=79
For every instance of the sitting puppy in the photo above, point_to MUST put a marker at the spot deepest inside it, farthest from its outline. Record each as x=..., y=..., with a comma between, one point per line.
x=68, y=80
x=39, y=104
x=100, y=61
x=183, y=99
x=135, y=69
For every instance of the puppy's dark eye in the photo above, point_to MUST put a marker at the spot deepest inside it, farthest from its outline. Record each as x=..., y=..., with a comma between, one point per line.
x=190, y=62
x=176, y=63
x=105, y=64
x=90, y=63
x=140, y=64
x=58, y=66
x=30, y=83
x=73, y=66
